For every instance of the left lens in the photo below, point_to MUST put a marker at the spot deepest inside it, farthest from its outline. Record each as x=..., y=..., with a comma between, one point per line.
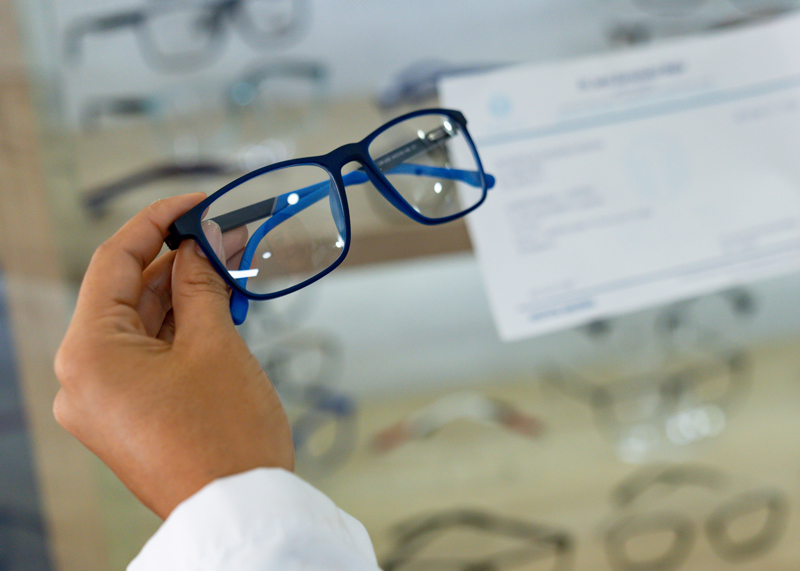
x=431, y=163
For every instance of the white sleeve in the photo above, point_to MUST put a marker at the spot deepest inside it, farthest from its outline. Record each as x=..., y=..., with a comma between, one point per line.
x=265, y=519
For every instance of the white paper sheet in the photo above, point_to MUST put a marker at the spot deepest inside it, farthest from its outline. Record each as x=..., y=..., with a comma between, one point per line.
x=634, y=178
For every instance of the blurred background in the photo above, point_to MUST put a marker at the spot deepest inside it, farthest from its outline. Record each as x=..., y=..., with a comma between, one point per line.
x=581, y=449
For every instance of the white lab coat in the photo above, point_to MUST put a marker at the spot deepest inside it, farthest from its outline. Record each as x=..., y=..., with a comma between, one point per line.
x=265, y=520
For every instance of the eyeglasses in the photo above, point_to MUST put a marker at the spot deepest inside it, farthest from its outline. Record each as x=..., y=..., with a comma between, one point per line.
x=741, y=528
x=178, y=35
x=289, y=223
x=687, y=405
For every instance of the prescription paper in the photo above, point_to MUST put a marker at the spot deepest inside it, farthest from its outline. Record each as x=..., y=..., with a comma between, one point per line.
x=635, y=178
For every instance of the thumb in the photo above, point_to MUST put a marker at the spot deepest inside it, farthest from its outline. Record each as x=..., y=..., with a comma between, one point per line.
x=200, y=297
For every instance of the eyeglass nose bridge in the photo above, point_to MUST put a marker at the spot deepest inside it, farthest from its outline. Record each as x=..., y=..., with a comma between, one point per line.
x=359, y=153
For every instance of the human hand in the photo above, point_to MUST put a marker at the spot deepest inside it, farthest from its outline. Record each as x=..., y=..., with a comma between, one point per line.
x=155, y=379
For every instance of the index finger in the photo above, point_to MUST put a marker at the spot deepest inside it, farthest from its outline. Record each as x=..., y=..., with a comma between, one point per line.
x=114, y=276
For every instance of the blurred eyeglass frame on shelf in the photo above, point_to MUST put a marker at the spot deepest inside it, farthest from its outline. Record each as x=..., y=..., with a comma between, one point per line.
x=243, y=94
x=454, y=407
x=304, y=200
x=110, y=112
x=313, y=75
x=302, y=367
x=723, y=527
x=184, y=35
x=539, y=545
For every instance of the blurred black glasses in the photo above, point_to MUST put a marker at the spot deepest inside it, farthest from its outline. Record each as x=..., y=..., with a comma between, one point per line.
x=185, y=35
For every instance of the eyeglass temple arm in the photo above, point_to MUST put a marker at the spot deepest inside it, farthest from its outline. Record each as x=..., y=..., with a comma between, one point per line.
x=392, y=162
x=310, y=194
x=96, y=200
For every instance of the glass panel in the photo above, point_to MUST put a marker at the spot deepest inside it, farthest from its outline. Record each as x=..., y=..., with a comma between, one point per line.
x=280, y=228
x=431, y=164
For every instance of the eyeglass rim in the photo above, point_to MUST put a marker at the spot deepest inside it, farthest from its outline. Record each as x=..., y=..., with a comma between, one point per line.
x=188, y=226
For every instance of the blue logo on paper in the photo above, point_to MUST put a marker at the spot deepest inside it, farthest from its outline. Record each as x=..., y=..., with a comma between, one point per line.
x=499, y=106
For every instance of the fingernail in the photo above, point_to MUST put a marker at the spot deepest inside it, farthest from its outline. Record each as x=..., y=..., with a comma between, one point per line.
x=213, y=234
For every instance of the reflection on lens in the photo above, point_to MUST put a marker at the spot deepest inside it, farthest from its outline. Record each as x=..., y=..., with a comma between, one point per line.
x=295, y=226
x=429, y=161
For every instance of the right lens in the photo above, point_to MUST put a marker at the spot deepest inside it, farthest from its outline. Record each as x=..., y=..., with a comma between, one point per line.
x=281, y=228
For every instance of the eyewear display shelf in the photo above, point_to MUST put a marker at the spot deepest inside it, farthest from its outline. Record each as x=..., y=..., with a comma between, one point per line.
x=470, y=491
x=568, y=482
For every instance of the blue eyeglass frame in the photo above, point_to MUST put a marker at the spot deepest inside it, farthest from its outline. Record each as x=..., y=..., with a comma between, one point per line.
x=189, y=225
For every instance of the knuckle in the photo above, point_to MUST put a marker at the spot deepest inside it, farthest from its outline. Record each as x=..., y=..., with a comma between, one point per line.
x=161, y=294
x=61, y=410
x=63, y=365
x=103, y=247
x=205, y=282
x=74, y=363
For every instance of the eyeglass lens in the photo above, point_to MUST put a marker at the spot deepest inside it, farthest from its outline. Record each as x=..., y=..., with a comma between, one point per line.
x=294, y=230
x=294, y=217
x=419, y=157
